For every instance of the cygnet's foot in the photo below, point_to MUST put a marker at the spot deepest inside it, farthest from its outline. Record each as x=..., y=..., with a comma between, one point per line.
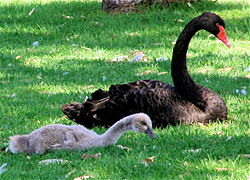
x=72, y=110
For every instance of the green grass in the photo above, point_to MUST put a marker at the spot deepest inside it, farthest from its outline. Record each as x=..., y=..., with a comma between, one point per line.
x=63, y=47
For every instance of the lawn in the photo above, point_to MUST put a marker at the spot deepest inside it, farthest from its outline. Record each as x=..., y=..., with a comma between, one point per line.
x=61, y=51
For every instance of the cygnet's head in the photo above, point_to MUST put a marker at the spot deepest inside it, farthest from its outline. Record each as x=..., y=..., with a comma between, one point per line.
x=142, y=123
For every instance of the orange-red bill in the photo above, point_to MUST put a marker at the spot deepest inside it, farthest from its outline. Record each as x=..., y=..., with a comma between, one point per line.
x=222, y=35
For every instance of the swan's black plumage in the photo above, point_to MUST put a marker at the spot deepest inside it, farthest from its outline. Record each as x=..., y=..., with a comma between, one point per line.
x=185, y=102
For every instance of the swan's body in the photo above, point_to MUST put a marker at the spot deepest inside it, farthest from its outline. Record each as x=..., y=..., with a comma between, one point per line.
x=60, y=136
x=186, y=102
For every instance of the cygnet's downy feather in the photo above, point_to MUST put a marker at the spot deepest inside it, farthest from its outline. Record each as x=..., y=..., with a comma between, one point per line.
x=77, y=137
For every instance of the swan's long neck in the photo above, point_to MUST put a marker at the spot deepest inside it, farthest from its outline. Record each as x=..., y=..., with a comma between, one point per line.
x=184, y=84
x=115, y=131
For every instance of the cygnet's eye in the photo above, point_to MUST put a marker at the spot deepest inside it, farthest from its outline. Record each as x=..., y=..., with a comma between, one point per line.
x=144, y=123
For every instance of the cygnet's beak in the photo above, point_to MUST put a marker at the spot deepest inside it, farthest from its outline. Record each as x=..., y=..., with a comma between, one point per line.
x=150, y=132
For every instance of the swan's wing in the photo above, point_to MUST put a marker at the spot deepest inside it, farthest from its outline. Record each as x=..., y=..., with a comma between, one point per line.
x=141, y=84
x=127, y=87
x=141, y=96
x=75, y=110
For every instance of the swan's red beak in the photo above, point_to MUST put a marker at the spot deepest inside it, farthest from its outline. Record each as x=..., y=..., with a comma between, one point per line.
x=222, y=35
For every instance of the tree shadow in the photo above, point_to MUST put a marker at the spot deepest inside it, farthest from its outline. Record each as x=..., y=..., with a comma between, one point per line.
x=111, y=31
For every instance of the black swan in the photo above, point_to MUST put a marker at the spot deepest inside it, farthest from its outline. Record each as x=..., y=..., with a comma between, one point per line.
x=185, y=102
x=77, y=137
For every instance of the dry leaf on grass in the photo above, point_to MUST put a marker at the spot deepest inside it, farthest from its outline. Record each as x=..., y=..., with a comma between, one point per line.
x=178, y=20
x=45, y=92
x=145, y=72
x=205, y=70
x=225, y=69
x=85, y=48
x=192, y=150
x=245, y=155
x=222, y=169
x=91, y=156
x=219, y=133
x=247, y=76
x=158, y=44
x=18, y=57
x=86, y=176
x=124, y=147
x=31, y=12
x=87, y=87
x=69, y=173
x=68, y=17
x=119, y=58
x=53, y=161
x=133, y=34
x=161, y=73
x=148, y=160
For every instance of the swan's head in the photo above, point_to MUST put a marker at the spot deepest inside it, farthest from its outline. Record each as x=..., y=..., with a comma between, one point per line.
x=215, y=25
x=141, y=123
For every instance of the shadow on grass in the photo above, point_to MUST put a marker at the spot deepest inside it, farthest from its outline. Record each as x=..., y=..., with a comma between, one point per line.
x=52, y=23
x=85, y=72
x=45, y=89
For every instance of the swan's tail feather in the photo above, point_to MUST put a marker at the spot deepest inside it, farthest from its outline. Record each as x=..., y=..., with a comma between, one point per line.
x=72, y=110
x=98, y=111
x=86, y=113
x=19, y=144
x=75, y=110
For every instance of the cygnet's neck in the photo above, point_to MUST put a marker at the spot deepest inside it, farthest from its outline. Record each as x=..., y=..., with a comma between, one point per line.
x=115, y=131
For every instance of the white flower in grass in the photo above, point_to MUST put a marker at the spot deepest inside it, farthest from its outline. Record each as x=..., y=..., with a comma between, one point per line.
x=207, y=81
x=243, y=92
x=247, y=69
x=65, y=73
x=2, y=168
x=137, y=58
x=36, y=43
x=12, y=95
x=120, y=58
x=104, y=78
x=161, y=59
